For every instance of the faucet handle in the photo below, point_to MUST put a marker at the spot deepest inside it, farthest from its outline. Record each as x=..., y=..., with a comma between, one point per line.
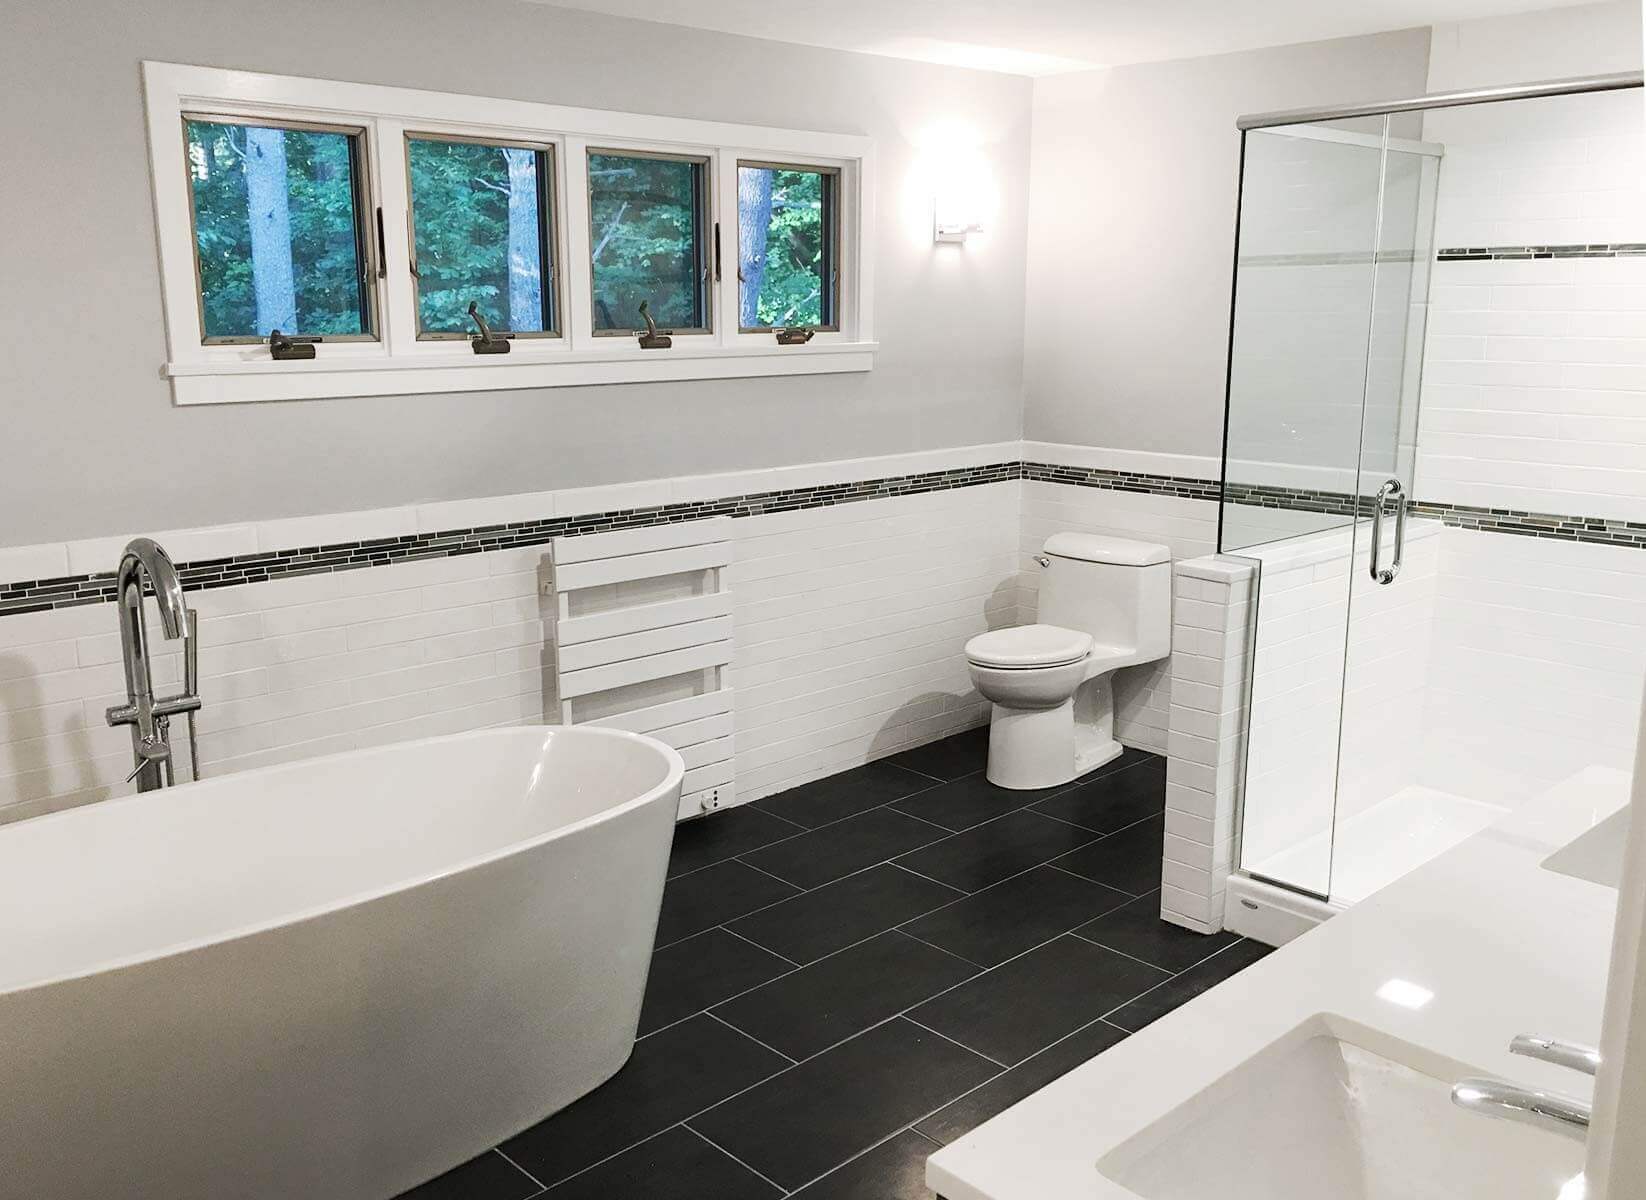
x=149, y=749
x=1573, y=1055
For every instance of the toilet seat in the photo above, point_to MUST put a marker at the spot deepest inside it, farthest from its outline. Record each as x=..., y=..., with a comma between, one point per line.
x=1028, y=647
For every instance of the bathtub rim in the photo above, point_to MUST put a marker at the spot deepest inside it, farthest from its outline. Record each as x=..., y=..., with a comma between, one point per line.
x=674, y=774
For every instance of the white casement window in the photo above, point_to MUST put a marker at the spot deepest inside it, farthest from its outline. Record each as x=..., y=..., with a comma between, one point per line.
x=788, y=251
x=381, y=230
x=650, y=242
x=481, y=227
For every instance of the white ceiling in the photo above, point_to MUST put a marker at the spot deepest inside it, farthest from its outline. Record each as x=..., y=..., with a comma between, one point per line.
x=1045, y=37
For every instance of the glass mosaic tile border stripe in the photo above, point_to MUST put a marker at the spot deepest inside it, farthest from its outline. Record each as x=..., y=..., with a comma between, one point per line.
x=36, y=595
x=1591, y=250
x=33, y=595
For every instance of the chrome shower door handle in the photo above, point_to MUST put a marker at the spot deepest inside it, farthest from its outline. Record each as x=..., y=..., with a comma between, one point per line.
x=1392, y=489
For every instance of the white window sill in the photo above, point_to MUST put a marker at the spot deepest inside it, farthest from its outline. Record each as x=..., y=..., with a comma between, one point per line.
x=242, y=382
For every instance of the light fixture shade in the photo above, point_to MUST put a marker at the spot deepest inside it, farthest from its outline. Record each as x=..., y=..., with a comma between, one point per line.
x=952, y=229
x=960, y=185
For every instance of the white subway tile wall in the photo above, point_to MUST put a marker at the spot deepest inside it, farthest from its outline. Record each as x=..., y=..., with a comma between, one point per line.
x=1336, y=705
x=850, y=621
x=1388, y=675
x=1537, y=662
x=1211, y=607
x=1496, y=667
x=291, y=668
x=850, y=625
x=1188, y=527
x=1534, y=391
x=1554, y=171
x=1534, y=388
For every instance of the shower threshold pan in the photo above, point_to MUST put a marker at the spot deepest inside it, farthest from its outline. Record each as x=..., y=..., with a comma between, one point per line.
x=1372, y=849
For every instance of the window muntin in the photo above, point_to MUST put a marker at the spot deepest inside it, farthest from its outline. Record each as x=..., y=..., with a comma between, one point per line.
x=788, y=247
x=278, y=216
x=482, y=230
x=648, y=240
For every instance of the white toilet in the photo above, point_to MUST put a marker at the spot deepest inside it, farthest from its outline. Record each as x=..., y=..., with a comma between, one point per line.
x=1105, y=603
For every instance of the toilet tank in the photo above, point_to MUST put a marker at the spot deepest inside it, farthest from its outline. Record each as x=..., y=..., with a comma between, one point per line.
x=1115, y=589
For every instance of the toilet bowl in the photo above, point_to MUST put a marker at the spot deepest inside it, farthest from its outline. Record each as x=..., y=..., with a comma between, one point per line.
x=1105, y=603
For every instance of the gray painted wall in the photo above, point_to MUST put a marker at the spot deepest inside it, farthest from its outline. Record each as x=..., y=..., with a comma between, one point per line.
x=93, y=445
x=1133, y=180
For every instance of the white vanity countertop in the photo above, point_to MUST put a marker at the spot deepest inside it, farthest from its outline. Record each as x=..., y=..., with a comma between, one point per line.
x=1505, y=946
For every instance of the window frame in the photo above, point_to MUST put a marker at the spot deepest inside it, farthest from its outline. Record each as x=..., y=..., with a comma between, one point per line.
x=399, y=362
x=548, y=224
x=365, y=243
x=832, y=227
x=703, y=247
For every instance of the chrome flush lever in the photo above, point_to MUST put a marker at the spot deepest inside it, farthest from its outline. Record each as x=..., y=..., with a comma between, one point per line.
x=1393, y=490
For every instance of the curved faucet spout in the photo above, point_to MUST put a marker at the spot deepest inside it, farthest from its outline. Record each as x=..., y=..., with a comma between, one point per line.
x=1566, y=1115
x=144, y=556
x=150, y=718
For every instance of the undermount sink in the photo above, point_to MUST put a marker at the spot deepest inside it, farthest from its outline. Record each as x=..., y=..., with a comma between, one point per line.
x=1597, y=855
x=1316, y=1114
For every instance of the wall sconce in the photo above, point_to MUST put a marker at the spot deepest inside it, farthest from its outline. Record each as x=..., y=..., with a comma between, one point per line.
x=951, y=228
x=961, y=187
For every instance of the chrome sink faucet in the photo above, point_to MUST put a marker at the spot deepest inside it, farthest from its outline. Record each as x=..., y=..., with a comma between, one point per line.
x=150, y=718
x=1553, y=1111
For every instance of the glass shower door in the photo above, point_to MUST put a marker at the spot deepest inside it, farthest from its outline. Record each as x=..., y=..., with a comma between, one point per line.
x=1321, y=414
x=1386, y=653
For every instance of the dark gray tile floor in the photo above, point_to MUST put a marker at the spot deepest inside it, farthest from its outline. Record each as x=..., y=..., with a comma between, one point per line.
x=858, y=971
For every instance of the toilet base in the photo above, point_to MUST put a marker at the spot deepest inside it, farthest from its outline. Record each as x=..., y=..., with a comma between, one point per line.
x=1030, y=749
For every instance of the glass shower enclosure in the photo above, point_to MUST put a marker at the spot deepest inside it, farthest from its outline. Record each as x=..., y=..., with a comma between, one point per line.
x=1342, y=782
x=1335, y=245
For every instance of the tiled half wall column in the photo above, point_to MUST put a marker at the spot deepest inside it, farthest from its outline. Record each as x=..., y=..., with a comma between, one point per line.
x=1211, y=610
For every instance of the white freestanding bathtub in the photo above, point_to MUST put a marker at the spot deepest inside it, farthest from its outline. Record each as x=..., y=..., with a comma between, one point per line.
x=336, y=978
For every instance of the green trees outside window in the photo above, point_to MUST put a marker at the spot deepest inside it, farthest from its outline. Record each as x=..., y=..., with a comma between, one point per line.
x=480, y=222
x=785, y=238
x=282, y=238
x=646, y=225
x=277, y=230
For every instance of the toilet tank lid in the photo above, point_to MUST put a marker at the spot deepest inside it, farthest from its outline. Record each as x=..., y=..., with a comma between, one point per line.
x=1094, y=547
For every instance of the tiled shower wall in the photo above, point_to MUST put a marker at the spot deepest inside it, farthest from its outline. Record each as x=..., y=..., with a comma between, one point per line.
x=1537, y=661
x=1494, y=668
x=1534, y=388
x=1338, y=686
x=1534, y=399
